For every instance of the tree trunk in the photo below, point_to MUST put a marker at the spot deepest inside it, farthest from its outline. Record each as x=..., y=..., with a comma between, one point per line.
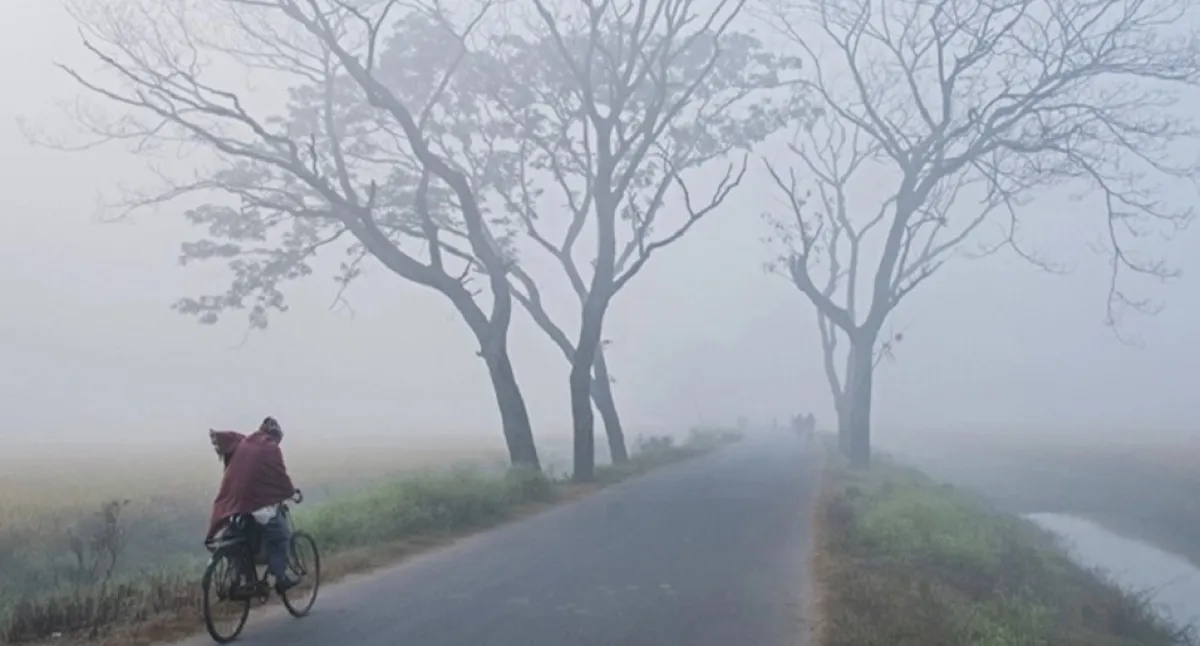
x=514, y=417
x=582, y=364
x=603, y=397
x=583, y=421
x=858, y=401
x=843, y=421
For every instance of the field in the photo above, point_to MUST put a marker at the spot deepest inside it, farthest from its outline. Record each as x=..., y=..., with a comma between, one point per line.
x=96, y=540
x=905, y=561
x=47, y=498
x=1143, y=487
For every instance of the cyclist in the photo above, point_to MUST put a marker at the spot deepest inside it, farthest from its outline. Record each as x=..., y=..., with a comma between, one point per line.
x=255, y=482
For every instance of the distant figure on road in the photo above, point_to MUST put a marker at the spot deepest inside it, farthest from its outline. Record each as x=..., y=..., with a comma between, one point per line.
x=805, y=426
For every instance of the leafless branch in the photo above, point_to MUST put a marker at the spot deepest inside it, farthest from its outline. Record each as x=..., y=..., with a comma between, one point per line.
x=294, y=181
x=997, y=102
x=616, y=104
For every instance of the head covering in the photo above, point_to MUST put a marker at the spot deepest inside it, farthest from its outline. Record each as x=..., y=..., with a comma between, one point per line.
x=255, y=476
x=272, y=428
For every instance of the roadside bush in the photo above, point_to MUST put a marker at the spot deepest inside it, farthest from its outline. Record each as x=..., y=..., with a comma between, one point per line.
x=88, y=596
x=527, y=485
x=424, y=505
x=653, y=444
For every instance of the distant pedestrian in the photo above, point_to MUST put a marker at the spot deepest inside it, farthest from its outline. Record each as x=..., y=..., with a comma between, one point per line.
x=805, y=426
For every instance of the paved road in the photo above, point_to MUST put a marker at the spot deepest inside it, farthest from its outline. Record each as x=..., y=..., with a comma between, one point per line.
x=709, y=552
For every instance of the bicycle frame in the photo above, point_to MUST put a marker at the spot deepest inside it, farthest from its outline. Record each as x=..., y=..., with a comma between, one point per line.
x=243, y=539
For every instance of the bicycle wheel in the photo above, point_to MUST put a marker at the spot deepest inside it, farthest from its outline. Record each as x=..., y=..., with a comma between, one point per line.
x=304, y=563
x=225, y=610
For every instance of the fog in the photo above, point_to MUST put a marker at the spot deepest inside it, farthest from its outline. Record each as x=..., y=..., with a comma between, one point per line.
x=91, y=350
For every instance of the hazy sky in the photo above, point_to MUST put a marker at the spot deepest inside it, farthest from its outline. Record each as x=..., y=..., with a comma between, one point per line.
x=88, y=343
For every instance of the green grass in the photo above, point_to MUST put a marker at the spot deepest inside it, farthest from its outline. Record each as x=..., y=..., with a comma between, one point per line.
x=904, y=561
x=1145, y=491
x=424, y=505
x=355, y=532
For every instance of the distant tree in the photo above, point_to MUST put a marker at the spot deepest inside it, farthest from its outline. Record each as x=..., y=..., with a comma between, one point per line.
x=972, y=108
x=615, y=103
x=821, y=223
x=354, y=160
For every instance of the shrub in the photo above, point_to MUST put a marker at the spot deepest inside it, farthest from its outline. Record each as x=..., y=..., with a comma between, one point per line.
x=423, y=505
x=653, y=444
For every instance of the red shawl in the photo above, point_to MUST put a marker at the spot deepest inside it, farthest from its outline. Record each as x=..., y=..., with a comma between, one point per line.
x=255, y=476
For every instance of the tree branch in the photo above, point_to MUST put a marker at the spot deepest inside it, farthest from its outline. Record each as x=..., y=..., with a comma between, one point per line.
x=1001, y=102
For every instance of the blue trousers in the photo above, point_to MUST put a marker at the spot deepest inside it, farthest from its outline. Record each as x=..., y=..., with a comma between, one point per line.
x=277, y=536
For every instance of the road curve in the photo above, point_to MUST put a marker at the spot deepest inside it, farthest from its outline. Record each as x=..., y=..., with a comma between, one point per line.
x=709, y=552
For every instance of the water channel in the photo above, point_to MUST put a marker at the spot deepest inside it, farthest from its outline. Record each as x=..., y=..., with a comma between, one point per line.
x=1172, y=582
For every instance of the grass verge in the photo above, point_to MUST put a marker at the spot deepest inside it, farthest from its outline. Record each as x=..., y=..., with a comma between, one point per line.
x=356, y=533
x=1145, y=492
x=903, y=561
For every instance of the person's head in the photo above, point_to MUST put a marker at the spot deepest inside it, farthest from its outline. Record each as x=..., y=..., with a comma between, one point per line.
x=272, y=429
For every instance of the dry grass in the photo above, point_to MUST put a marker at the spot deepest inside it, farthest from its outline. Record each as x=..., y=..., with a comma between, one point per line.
x=903, y=561
x=368, y=527
x=822, y=564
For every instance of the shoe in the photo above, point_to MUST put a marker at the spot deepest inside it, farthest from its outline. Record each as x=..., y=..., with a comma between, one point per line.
x=283, y=585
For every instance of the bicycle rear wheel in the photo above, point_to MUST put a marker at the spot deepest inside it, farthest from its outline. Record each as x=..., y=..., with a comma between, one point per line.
x=304, y=563
x=226, y=607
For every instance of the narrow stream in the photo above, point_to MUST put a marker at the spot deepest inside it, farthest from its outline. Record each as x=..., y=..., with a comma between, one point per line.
x=1172, y=581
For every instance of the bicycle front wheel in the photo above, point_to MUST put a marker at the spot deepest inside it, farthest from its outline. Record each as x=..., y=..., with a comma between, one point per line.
x=304, y=563
x=226, y=606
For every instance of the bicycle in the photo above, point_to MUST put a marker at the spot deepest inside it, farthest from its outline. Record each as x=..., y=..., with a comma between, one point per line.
x=236, y=573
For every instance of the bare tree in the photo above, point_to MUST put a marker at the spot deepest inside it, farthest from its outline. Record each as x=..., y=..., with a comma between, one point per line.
x=973, y=108
x=353, y=161
x=615, y=102
x=827, y=223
